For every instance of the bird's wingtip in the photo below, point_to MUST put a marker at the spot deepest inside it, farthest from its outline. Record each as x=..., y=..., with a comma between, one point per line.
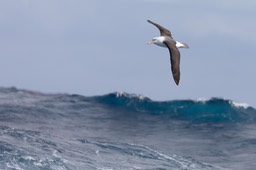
x=177, y=81
x=149, y=21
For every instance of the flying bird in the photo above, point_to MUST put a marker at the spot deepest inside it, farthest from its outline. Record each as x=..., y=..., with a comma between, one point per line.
x=165, y=40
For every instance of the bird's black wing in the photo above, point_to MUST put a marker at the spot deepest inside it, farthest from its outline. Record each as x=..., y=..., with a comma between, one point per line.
x=174, y=58
x=163, y=31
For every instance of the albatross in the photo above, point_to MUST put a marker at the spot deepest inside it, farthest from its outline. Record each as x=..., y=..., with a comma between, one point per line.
x=165, y=40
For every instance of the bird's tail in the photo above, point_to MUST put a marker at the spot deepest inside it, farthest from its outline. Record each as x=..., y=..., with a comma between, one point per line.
x=181, y=45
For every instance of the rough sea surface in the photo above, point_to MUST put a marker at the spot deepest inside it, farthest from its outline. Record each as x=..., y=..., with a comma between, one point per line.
x=123, y=131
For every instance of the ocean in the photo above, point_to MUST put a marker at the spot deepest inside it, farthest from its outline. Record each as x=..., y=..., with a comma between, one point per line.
x=119, y=131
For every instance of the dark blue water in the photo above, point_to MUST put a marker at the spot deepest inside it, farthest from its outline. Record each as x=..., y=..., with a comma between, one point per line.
x=123, y=131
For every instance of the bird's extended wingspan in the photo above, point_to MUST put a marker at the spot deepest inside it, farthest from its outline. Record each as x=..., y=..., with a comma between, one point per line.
x=163, y=31
x=174, y=58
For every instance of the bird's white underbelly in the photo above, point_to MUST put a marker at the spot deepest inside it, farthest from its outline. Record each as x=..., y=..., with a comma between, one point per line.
x=159, y=41
x=178, y=44
x=160, y=44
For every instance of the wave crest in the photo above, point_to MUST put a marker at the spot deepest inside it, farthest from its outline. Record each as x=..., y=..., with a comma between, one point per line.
x=214, y=110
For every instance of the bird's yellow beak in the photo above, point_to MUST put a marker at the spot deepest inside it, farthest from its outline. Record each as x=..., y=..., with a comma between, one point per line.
x=150, y=42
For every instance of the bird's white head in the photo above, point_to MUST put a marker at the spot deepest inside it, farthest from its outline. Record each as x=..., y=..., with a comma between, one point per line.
x=157, y=41
x=152, y=41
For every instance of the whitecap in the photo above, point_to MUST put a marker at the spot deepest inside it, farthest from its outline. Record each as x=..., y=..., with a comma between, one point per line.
x=239, y=104
x=128, y=95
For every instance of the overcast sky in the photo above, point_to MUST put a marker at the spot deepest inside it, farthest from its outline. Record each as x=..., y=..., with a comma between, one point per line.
x=93, y=47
